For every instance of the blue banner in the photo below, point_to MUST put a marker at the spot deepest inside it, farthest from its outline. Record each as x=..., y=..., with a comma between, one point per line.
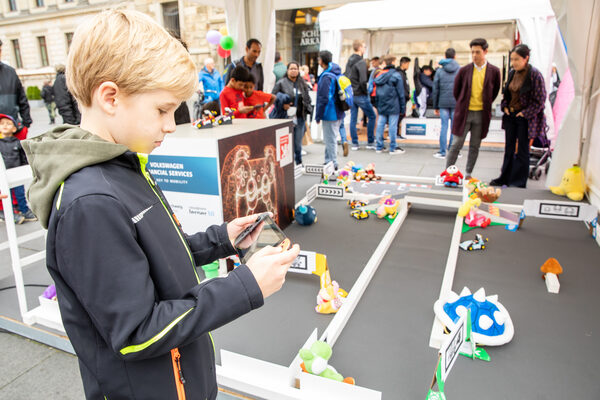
x=185, y=174
x=416, y=129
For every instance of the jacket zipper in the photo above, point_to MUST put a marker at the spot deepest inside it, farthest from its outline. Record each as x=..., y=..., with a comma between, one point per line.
x=174, y=219
x=179, y=379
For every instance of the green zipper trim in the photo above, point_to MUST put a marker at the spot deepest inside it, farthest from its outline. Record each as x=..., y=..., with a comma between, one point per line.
x=143, y=161
x=62, y=186
x=213, y=342
x=139, y=347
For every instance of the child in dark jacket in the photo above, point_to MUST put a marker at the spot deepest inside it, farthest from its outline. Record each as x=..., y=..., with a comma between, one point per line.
x=14, y=156
x=131, y=300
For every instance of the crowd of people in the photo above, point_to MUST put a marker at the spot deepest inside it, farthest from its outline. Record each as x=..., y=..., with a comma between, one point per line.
x=460, y=96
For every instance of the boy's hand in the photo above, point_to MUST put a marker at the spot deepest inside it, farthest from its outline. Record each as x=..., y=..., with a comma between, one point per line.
x=286, y=106
x=235, y=227
x=245, y=109
x=269, y=266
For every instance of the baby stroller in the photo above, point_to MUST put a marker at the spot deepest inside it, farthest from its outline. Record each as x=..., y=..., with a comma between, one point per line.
x=540, y=156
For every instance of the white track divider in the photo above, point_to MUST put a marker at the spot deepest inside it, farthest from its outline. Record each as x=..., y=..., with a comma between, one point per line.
x=294, y=368
x=48, y=316
x=408, y=178
x=338, y=322
x=271, y=381
x=427, y=201
x=256, y=377
x=437, y=330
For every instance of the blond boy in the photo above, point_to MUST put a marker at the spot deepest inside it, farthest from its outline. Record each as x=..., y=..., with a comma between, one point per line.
x=130, y=296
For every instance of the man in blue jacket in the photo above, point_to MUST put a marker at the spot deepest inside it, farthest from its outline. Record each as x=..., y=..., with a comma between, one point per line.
x=328, y=109
x=391, y=104
x=211, y=81
x=443, y=97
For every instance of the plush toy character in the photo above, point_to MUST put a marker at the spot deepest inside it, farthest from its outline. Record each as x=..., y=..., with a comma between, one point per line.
x=305, y=215
x=329, y=299
x=486, y=193
x=360, y=175
x=572, y=184
x=315, y=361
x=389, y=207
x=343, y=175
x=466, y=207
x=370, y=170
x=452, y=176
x=474, y=219
x=348, y=166
x=344, y=180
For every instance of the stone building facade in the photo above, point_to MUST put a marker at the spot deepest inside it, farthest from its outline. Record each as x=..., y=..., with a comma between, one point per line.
x=36, y=34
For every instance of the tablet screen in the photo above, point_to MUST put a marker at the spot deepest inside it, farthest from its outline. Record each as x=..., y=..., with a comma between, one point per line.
x=270, y=235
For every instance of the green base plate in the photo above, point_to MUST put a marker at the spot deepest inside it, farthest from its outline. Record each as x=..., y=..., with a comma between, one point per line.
x=480, y=354
x=435, y=395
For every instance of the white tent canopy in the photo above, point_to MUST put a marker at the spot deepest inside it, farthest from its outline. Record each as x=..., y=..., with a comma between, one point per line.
x=459, y=19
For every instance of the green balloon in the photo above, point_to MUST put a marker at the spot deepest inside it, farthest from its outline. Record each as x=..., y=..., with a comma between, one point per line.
x=227, y=42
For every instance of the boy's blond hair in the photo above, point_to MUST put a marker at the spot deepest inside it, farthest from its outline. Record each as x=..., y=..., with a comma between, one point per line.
x=130, y=49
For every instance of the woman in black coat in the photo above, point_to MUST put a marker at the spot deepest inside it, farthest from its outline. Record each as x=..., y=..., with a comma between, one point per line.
x=299, y=106
x=523, y=120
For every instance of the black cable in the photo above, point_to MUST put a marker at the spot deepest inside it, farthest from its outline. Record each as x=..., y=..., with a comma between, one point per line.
x=30, y=284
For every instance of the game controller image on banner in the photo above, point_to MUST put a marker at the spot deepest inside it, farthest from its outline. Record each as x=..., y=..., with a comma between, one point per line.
x=252, y=180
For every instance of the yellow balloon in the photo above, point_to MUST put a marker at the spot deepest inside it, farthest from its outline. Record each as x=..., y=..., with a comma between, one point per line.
x=223, y=31
x=344, y=82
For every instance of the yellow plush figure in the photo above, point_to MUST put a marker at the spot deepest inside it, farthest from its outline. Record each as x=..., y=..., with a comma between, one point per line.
x=466, y=207
x=331, y=296
x=572, y=184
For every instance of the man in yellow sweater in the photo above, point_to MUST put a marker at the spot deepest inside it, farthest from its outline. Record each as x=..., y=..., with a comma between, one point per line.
x=475, y=88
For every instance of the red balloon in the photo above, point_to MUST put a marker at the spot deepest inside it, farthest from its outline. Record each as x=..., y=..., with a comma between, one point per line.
x=222, y=52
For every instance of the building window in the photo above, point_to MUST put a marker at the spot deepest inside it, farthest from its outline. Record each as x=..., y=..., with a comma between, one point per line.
x=12, y=5
x=43, y=50
x=68, y=1
x=17, y=50
x=171, y=18
x=69, y=37
x=39, y=3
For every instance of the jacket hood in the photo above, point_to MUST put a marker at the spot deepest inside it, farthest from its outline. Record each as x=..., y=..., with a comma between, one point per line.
x=334, y=69
x=354, y=59
x=57, y=154
x=386, y=77
x=449, y=65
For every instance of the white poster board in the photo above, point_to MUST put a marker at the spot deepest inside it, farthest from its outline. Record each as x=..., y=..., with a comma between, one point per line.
x=451, y=348
x=305, y=263
x=569, y=210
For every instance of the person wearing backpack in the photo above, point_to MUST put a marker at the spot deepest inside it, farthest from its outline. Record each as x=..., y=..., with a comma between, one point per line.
x=356, y=71
x=390, y=104
x=329, y=106
x=443, y=97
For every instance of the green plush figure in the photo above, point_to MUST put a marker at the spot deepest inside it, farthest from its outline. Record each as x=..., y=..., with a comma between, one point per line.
x=315, y=362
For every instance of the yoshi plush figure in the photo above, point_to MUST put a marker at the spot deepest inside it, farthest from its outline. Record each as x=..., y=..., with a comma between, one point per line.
x=315, y=361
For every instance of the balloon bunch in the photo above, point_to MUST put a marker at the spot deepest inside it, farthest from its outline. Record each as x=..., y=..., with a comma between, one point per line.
x=222, y=40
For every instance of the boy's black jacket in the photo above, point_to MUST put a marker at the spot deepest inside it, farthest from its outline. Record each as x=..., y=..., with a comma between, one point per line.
x=125, y=272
